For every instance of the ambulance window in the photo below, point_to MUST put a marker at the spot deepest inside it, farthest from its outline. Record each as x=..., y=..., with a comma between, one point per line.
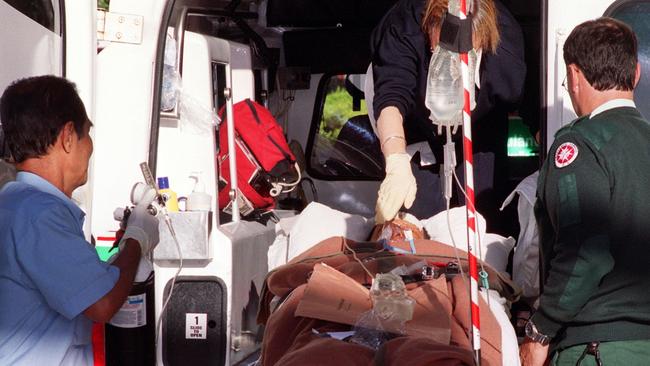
x=218, y=85
x=342, y=144
x=637, y=15
x=44, y=12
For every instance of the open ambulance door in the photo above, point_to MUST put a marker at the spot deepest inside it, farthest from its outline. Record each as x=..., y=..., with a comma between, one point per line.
x=34, y=34
x=224, y=266
x=36, y=39
x=562, y=17
x=157, y=99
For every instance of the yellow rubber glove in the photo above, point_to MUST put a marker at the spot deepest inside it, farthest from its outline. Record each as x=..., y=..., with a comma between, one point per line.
x=398, y=188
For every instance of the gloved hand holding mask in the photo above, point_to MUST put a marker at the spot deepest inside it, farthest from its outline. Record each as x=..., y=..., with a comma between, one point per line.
x=398, y=188
x=141, y=225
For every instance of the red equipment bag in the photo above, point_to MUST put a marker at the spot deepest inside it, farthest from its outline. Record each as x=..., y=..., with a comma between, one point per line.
x=265, y=165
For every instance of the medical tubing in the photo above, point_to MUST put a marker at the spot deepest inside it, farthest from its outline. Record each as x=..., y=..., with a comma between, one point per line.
x=478, y=237
x=449, y=164
x=168, y=221
x=453, y=241
x=354, y=255
x=408, y=235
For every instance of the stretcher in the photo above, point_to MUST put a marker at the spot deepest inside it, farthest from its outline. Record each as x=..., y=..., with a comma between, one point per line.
x=321, y=291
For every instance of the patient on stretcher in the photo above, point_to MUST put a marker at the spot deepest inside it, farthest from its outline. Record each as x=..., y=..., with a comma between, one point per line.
x=324, y=290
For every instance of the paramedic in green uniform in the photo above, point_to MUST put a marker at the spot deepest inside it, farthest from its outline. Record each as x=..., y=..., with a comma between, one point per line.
x=593, y=210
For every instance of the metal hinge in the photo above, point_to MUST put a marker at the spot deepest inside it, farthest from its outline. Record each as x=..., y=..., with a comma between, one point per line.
x=116, y=27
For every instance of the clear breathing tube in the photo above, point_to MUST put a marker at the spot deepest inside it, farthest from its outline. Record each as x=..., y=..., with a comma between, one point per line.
x=162, y=211
x=449, y=174
x=170, y=226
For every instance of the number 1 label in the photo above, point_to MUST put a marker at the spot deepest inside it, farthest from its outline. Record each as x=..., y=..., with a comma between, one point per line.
x=196, y=325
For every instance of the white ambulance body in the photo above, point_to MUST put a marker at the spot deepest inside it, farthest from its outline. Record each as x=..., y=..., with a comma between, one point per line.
x=122, y=84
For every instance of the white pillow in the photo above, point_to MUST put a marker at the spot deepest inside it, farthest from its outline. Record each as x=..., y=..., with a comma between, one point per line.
x=318, y=222
x=495, y=249
x=438, y=229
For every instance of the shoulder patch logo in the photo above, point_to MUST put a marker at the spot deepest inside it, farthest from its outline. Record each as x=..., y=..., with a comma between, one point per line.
x=565, y=154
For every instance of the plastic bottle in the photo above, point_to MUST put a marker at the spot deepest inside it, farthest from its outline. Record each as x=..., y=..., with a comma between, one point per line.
x=169, y=196
x=198, y=200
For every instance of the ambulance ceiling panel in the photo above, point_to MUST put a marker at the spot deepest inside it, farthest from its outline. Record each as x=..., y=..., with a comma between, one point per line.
x=331, y=13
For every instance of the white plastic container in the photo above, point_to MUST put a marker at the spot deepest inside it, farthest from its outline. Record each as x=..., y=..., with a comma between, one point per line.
x=198, y=200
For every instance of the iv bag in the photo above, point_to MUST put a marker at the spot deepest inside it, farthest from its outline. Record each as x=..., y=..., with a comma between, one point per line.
x=444, y=94
x=445, y=91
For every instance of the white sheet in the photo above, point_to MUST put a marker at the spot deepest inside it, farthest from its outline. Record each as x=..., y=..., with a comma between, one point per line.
x=494, y=248
x=316, y=223
x=525, y=261
x=509, y=345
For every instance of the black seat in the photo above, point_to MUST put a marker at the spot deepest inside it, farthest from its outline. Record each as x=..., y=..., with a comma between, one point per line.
x=358, y=132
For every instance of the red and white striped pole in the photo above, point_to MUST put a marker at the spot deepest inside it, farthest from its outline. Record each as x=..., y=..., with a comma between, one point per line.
x=471, y=210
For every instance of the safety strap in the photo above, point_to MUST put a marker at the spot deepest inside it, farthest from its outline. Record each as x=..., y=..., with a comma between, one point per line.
x=279, y=187
x=456, y=33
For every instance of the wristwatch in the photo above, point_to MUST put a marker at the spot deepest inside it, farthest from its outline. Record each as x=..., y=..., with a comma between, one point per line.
x=536, y=336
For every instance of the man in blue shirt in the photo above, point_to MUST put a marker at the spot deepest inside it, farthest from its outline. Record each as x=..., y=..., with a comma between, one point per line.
x=52, y=283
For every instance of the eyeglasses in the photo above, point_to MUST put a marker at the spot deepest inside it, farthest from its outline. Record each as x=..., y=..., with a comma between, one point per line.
x=564, y=84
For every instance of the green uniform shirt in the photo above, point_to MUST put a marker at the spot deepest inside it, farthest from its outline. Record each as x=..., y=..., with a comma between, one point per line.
x=593, y=211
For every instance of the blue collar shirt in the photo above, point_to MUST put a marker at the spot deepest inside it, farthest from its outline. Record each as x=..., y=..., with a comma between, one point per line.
x=49, y=274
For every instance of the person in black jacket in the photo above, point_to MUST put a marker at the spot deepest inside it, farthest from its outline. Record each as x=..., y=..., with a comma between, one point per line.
x=401, y=48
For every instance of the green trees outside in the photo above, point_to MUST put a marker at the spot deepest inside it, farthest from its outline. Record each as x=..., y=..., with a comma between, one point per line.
x=338, y=110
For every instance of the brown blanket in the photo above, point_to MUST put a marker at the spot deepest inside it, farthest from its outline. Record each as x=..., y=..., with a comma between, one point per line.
x=289, y=337
x=331, y=295
x=289, y=341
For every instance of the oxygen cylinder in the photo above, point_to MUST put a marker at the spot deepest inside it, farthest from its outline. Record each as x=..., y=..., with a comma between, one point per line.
x=130, y=336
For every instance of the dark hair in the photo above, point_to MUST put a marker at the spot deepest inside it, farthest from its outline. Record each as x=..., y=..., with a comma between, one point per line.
x=605, y=50
x=33, y=112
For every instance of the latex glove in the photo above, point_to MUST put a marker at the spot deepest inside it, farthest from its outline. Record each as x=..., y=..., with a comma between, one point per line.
x=142, y=193
x=398, y=188
x=142, y=226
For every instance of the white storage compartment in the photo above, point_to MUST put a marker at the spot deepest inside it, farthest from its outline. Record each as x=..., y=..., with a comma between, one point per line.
x=192, y=231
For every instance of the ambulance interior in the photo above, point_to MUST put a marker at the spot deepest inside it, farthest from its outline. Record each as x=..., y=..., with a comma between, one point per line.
x=305, y=61
x=308, y=67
